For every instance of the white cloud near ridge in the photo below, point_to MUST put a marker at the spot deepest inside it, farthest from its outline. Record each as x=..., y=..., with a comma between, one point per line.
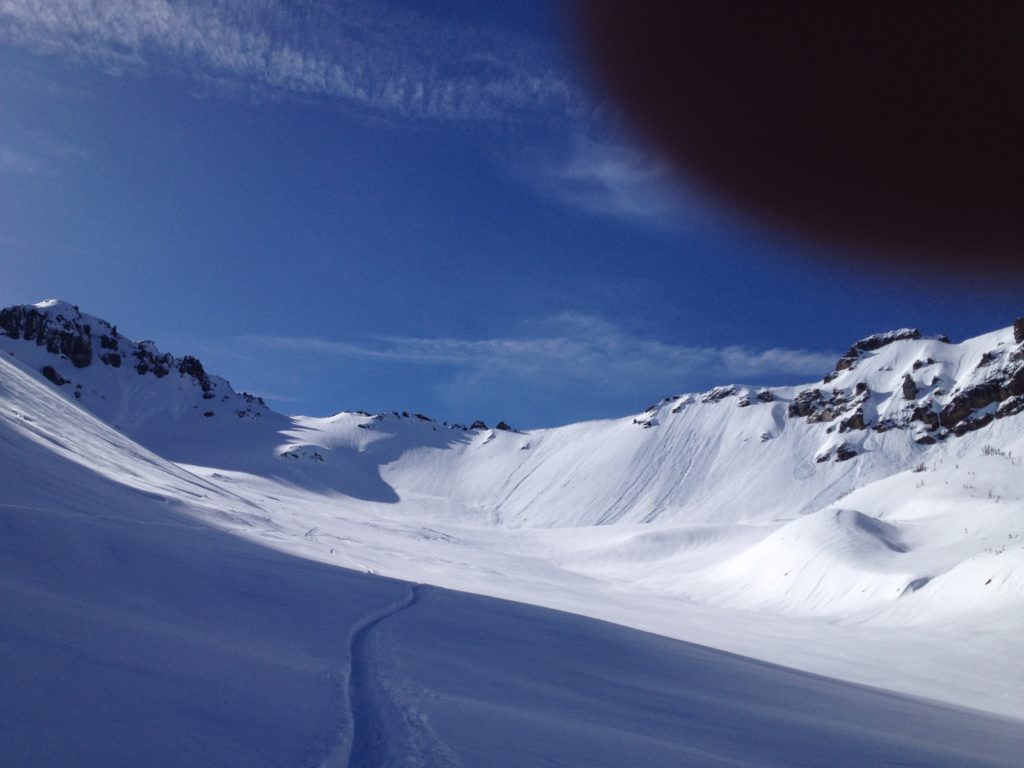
x=574, y=349
x=379, y=58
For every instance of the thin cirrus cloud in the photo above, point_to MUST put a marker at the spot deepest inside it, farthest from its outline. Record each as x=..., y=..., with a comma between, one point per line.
x=571, y=349
x=383, y=59
x=377, y=59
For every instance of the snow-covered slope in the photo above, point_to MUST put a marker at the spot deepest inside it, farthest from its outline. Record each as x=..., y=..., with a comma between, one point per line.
x=732, y=455
x=134, y=631
x=876, y=515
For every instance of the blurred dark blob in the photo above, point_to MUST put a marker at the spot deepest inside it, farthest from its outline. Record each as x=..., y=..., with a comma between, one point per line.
x=896, y=127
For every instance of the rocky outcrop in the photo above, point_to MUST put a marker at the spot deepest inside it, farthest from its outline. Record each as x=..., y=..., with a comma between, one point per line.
x=61, y=335
x=855, y=421
x=65, y=332
x=844, y=452
x=717, y=394
x=51, y=374
x=909, y=388
x=873, y=342
x=814, y=406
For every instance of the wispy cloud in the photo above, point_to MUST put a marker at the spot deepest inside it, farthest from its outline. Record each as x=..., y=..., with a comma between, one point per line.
x=604, y=168
x=613, y=178
x=12, y=161
x=572, y=350
x=384, y=59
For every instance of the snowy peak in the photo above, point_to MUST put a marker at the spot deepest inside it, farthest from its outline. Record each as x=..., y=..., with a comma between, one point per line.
x=928, y=387
x=872, y=343
x=87, y=357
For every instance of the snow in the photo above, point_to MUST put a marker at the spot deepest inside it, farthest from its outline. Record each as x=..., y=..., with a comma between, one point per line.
x=168, y=573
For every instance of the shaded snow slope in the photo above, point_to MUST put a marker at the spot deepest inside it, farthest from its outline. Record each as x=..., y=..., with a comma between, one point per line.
x=133, y=632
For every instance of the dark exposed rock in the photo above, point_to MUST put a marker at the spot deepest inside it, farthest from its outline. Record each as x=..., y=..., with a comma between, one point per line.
x=112, y=359
x=909, y=388
x=503, y=427
x=972, y=399
x=972, y=423
x=987, y=358
x=924, y=440
x=765, y=396
x=845, y=452
x=1018, y=330
x=190, y=366
x=51, y=373
x=421, y=417
x=823, y=457
x=812, y=405
x=926, y=415
x=717, y=394
x=918, y=364
x=856, y=421
x=805, y=403
x=478, y=424
x=149, y=360
x=873, y=342
x=60, y=335
x=1013, y=405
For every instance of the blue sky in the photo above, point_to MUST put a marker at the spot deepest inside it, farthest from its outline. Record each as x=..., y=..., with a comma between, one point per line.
x=411, y=206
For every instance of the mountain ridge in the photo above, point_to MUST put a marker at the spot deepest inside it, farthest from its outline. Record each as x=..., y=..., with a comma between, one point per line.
x=67, y=333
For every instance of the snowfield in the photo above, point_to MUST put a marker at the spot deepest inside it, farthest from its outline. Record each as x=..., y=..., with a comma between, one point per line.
x=820, y=575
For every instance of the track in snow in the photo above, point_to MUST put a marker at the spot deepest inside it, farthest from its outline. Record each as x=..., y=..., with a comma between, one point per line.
x=386, y=730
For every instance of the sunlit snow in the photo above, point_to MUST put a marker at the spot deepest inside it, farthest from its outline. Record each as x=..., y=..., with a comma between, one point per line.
x=193, y=579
